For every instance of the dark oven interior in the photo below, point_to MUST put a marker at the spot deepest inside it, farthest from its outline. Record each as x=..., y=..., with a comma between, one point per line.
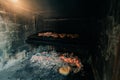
x=59, y=39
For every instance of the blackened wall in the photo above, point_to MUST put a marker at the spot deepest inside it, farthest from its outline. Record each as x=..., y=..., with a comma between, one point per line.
x=106, y=56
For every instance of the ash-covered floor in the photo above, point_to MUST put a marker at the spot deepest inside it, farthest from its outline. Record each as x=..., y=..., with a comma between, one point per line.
x=41, y=65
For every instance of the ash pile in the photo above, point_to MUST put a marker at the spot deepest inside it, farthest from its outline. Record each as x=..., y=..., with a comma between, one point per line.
x=45, y=63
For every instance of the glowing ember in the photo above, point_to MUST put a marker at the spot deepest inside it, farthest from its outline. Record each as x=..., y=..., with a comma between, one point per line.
x=73, y=61
x=66, y=62
x=56, y=35
x=65, y=70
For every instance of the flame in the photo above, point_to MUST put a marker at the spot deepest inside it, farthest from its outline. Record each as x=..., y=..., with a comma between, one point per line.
x=73, y=61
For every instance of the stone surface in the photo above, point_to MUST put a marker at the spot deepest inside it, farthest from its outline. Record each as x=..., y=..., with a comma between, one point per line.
x=13, y=35
x=2, y=27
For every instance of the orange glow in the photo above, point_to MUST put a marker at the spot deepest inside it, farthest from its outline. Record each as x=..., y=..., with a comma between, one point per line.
x=21, y=7
x=73, y=60
x=14, y=1
x=58, y=35
x=65, y=70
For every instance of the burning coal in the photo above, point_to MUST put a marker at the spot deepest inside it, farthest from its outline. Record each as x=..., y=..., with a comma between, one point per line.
x=66, y=62
x=45, y=63
x=72, y=61
x=65, y=70
x=56, y=35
